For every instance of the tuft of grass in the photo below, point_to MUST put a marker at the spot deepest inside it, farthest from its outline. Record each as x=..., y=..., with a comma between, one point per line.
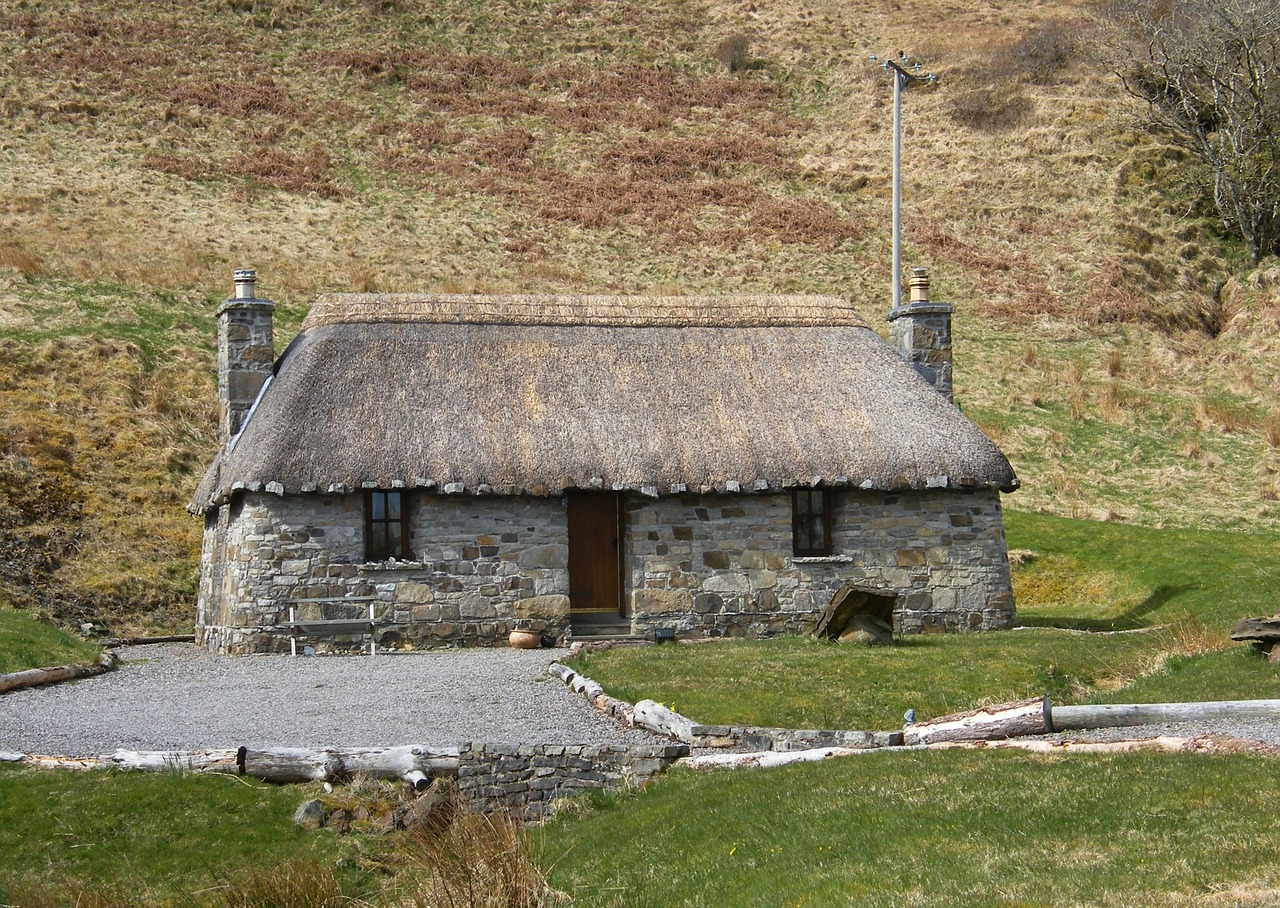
x=297, y=883
x=478, y=860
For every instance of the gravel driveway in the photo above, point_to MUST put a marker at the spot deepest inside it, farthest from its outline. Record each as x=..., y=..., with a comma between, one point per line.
x=175, y=697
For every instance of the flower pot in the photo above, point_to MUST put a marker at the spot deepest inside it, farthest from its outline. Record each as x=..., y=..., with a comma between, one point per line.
x=525, y=639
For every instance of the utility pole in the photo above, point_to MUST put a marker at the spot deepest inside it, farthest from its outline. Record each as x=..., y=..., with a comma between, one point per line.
x=901, y=79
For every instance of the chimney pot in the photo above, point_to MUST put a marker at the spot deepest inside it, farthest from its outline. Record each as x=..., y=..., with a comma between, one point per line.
x=245, y=279
x=919, y=285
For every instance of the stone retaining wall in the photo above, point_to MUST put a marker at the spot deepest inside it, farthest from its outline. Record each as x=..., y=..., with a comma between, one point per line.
x=525, y=779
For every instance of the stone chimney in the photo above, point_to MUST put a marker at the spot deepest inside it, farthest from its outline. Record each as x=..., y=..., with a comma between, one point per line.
x=921, y=330
x=246, y=351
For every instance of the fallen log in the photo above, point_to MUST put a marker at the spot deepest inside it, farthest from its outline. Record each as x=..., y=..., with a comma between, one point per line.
x=223, y=761
x=144, y=641
x=656, y=717
x=294, y=764
x=35, y=677
x=413, y=763
x=766, y=759
x=1036, y=745
x=1005, y=720
x=1114, y=715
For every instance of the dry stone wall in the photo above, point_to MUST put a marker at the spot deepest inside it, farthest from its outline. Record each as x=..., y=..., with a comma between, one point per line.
x=705, y=565
x=525, y=780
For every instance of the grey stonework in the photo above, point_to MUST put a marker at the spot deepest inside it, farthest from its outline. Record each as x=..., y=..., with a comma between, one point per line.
x=706, y=565
x=246, y=355
x=482, y=566
x=525, y=780
x=722, y=565
x=921, y=333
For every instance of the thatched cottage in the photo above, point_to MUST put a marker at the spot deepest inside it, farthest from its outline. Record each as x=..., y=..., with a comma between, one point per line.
x=708, y=465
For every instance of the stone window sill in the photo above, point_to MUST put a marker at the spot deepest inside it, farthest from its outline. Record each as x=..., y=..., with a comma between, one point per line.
x=823, y=559
x=374, y=567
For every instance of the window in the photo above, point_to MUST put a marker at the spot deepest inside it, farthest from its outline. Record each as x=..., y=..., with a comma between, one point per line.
x=386, y=526
x=811, y=521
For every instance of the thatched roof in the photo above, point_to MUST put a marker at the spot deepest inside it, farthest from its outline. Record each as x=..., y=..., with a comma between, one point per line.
x=520, y=394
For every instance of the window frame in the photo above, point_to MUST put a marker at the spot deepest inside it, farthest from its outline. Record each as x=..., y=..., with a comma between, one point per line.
x=371, y=524
x=802, y=513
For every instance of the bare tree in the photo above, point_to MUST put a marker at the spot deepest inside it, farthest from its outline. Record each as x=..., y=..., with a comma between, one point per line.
x=1209, y=71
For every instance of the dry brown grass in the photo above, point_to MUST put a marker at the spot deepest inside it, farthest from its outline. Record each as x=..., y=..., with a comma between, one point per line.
x=22, y=260
x=477, y=861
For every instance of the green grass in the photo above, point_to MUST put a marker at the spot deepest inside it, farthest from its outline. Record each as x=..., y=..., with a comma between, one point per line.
x=157, y=838
x=26, y=643
x=1174, y=593
x=933, y=829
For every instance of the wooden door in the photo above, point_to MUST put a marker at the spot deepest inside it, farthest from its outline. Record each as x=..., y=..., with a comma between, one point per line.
x=595, y=553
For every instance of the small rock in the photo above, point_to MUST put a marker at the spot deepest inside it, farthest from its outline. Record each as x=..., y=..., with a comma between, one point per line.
x=389, y=822
x=339, y=821
x=432, y=810
x=309, y=815
x=868, y=630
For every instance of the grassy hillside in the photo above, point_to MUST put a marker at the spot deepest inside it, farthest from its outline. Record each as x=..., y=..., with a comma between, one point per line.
x=1108, y=336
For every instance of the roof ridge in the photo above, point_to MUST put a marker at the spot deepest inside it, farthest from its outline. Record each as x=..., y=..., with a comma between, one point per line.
x=753, y=311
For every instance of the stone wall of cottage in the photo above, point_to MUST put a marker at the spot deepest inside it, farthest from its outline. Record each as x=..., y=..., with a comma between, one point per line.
x=722, y=565
x=718, y=565
x=481, y=565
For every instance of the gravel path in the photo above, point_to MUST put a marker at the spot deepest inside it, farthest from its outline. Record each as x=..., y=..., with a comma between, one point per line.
x=174, y=697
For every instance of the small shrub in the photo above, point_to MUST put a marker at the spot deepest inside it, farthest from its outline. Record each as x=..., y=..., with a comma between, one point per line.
x=1045, y=53
x=734, y=52
x=990, y=109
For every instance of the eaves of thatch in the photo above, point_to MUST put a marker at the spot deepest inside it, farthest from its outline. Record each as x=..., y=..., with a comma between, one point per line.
x=535, y=395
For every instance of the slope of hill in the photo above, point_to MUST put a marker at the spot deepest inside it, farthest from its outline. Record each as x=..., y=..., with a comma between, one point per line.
x=1109, y=337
